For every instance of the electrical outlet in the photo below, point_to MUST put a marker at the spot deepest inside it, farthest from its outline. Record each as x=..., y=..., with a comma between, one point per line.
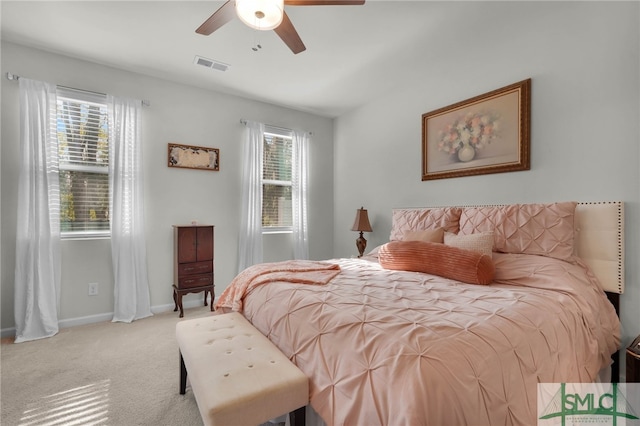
x=93, y=289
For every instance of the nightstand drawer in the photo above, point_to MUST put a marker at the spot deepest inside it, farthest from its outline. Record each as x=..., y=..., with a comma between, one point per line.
x=194, y=268
x=633, y=362
x=195, y=281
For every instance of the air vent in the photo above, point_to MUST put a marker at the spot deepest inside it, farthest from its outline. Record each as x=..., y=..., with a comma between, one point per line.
x=210, y=63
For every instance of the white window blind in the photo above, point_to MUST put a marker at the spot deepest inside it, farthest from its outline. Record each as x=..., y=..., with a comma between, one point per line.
x=276, y=181
x=83, y=144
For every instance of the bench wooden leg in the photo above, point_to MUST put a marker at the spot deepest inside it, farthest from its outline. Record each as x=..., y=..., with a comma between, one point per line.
x=297, y=417
x=183, y=376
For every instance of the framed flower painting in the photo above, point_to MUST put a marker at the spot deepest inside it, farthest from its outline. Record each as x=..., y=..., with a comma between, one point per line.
x=489, y=133
x=193, y=157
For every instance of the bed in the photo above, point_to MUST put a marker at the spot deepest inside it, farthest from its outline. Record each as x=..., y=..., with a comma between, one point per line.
x=405, y=336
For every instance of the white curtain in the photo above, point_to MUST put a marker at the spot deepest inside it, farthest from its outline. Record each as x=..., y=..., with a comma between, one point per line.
x=250, y=238
x=37, y=270
x=299, y=178
x=128, y=250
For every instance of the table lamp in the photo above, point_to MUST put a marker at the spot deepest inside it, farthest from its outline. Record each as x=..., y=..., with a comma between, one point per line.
x=361, y=224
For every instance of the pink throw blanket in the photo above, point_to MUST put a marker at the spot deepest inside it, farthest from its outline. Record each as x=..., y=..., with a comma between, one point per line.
x=292, y=271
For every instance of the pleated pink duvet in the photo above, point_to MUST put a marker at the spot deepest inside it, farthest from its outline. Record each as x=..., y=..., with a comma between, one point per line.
x=404, y=348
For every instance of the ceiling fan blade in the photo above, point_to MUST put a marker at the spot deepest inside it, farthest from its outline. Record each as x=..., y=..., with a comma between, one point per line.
x=289, y=35
x=220, y=17
x=323, y=2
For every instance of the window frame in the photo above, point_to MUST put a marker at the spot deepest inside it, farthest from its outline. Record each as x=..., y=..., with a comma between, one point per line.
x=282, y=134
x=80, y=96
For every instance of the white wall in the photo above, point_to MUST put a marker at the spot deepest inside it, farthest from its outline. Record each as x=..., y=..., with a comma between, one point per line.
x=583, y=60
x=178, y=113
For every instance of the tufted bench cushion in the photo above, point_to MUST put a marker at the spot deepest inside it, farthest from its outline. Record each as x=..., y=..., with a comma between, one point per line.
x=237, y=375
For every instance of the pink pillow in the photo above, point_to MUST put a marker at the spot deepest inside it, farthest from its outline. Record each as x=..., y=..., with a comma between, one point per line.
x=437, y=259
x=432, y=235
x=541, y=229
x=404, y=220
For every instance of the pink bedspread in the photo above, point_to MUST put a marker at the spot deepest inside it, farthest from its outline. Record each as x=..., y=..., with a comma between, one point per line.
x=402, y=348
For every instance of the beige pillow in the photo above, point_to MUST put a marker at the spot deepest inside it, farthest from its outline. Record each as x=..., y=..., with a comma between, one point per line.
x=431, y=235
x=481, y=242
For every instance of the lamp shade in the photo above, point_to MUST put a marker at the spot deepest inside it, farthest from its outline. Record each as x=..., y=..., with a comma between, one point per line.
x=362, y=221
x=260, y=14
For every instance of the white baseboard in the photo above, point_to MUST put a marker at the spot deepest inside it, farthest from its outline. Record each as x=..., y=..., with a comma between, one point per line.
x=92, y=319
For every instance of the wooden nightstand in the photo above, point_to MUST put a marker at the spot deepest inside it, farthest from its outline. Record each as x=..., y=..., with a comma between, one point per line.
x=633, y=362
x=193, y=262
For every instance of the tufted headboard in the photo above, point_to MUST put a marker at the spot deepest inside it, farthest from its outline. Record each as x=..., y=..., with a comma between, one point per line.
x=599, y=241
x=597, y=237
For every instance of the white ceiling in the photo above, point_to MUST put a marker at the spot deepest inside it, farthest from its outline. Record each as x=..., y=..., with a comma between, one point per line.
x=353, y=54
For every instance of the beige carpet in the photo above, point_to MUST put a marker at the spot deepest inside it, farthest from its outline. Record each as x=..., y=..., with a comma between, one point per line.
x=99, y=374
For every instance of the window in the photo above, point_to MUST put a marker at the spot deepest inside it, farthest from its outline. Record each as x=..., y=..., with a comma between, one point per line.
x=83, y=148
x=276, y=182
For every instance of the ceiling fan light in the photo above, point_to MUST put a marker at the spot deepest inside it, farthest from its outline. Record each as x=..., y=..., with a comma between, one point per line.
x=260, y=14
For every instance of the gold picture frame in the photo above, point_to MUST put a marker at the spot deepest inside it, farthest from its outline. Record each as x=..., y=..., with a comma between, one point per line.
x=489, y=133
x=193, y=157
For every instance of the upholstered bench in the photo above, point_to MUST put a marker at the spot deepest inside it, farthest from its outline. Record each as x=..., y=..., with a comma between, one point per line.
x=237, y=375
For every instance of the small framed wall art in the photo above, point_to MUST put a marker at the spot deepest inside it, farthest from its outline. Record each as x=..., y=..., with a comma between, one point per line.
x=485, y=134
x=193, y=157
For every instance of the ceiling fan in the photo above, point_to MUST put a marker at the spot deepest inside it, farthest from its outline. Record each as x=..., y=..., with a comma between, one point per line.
x=266, y=15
